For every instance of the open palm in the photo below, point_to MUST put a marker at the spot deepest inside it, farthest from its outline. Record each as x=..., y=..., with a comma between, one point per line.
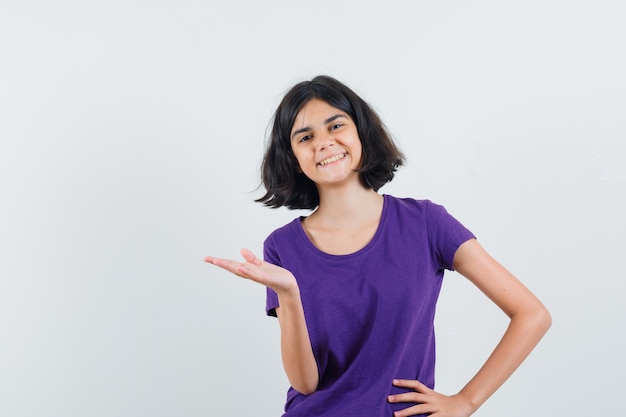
x=273, y=276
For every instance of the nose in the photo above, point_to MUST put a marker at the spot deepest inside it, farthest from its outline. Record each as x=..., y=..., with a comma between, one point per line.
x=325, y=140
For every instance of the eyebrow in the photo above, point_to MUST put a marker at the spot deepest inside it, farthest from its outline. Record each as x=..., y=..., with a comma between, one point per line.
x=307, y=128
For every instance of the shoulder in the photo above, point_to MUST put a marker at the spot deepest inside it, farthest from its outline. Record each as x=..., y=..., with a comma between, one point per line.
x=284, y=233
x=413, y=207
x=424, y=215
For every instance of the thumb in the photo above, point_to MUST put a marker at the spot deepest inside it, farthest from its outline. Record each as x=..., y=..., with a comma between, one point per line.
x=250, y=257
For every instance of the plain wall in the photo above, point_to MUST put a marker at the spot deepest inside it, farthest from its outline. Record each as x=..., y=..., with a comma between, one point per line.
x=131, y=133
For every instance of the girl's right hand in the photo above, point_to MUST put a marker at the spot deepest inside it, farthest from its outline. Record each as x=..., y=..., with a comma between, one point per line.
x=296, y=350
x=279, y=279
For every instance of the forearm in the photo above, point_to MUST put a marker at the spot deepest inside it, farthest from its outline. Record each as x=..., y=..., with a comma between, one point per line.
x=522, y=335
x=297, y=353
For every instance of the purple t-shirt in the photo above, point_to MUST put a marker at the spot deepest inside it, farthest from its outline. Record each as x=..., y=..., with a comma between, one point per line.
x=370, y=313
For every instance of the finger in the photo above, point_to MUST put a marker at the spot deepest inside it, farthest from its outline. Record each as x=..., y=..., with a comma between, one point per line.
x=229, y=265
x=408, y=397
x=250, y=257
x=254, y=273
x=221, y=262
x=411, y=383
x=414, y=410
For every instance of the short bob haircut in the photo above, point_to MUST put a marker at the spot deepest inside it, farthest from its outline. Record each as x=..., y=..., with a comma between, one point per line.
x=285, y=184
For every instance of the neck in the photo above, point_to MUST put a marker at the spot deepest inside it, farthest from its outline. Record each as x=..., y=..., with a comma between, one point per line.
x=344, y=205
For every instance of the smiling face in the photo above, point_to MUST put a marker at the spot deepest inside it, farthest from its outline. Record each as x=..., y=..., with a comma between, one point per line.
x=326, y=144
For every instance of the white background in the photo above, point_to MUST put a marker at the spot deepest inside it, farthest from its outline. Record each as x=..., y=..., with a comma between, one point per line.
x=131, y=133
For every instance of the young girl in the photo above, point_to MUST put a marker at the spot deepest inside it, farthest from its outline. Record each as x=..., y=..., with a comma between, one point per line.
x=354, y=285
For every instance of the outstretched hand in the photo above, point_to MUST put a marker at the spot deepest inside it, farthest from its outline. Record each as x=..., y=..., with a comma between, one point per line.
x=429, y=401
x=277, y=278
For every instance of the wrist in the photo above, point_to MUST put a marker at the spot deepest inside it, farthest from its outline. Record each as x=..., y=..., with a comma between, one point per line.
x=289, y=292
x=469, y=404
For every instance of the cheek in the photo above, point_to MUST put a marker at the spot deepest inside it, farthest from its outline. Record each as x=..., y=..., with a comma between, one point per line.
x=302, y=156
x=358, y=153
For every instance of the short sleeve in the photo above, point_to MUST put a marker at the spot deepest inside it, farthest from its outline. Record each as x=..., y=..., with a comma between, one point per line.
x=445, y=234
x=270, y=255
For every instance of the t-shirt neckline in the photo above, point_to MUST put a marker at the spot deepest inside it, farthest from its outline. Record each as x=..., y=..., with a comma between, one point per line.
x=317, y=251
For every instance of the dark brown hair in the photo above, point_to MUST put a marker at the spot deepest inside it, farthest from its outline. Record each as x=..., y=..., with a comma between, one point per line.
x=288, y=187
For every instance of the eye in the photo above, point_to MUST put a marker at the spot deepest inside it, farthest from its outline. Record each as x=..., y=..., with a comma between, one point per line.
x=336, y=126
x=305, y=138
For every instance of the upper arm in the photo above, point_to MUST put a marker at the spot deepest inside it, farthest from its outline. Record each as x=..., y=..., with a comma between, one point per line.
x=495, y=281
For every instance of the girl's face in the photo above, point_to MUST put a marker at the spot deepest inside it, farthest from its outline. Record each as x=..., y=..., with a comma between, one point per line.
x=326, y=144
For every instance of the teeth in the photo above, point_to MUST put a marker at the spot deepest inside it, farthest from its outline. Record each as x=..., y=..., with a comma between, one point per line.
x=333, y=159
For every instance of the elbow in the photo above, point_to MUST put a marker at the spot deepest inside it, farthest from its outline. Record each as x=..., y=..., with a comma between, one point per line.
x=537, y=320
x=305, y=391
x=545, y=319
x=304, y=387
x=304, y=384
x=303, y=377
x=541, y=319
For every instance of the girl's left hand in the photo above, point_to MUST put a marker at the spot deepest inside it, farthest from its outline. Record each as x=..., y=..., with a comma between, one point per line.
x=429, y=401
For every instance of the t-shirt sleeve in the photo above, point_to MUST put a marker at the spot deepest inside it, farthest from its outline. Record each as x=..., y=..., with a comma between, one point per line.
x=445, y=234
x=270, y=255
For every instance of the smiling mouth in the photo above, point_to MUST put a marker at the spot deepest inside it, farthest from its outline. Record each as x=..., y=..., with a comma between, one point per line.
x=332, y=159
